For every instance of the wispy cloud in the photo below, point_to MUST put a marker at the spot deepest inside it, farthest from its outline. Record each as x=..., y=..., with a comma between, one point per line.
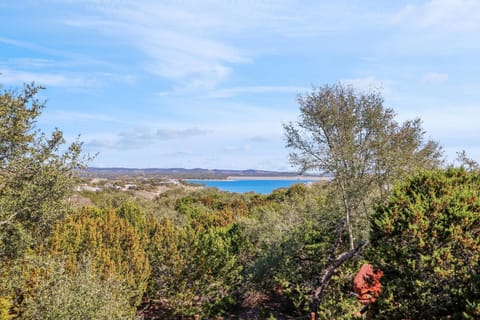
x=180, y=46
x=29, y=45
x=197, y=45
x=73, y=80
x=435, y=77
x=443, y=15
x=57, y=58
x=17, y=77
x=143, y=136
x=437, y=27
x=58, y=68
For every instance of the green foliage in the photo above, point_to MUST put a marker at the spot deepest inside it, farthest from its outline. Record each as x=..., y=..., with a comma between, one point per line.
x=107, y=199
x=198, y=251
x=59, y=293
x=293, y=268
x=427, y=239
x=271, y=220
x=284, y=194
x=113, y=243
x=292, y=239
x=35, y=176
x=338, y=302
x=133, y=213
x=211, y=208
x=215, y=271
x=352, y=136
x=5, y=305
x=195, y=271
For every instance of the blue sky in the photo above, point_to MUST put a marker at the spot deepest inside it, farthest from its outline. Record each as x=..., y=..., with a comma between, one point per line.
x=208, y=84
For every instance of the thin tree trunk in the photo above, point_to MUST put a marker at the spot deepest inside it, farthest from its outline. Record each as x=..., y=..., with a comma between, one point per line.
x=346, y=208
x=349, y=229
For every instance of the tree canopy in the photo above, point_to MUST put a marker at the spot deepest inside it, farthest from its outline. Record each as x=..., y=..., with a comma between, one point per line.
x=36, y=171
x=352, y=136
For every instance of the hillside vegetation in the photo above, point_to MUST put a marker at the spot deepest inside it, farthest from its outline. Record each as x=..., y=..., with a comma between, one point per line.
x=219, y=255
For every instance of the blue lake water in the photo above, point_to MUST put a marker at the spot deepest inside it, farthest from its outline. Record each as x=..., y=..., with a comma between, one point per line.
x=242, y=186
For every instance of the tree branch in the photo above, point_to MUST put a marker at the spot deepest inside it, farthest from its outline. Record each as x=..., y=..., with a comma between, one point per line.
x=330, y=269
x=8, y=219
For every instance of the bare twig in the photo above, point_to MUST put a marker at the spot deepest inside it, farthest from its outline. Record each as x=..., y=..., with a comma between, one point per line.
x=8, y=219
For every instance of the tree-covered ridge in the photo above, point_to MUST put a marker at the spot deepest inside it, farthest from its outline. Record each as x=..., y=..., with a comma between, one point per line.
x=222, y=255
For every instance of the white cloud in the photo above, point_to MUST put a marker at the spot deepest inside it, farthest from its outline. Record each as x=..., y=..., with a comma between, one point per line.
x=435, y=77
x=445, y=15
x=180, y=45
x=143, y=136
x=28, y=70
x=197, y=44
x=16, y=77
x=434, y=28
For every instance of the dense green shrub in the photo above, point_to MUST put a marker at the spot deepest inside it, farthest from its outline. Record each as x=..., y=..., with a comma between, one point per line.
x=5, y=305
x=195, y=272
x=426, y=238
x=133, y=213
x=115, y=246
x=211, y=208
x=59, y=293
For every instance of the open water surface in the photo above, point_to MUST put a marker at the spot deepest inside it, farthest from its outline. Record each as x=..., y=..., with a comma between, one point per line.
x=242, y=186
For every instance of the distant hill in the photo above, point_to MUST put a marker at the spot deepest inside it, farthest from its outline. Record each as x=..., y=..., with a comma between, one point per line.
x=182, y=173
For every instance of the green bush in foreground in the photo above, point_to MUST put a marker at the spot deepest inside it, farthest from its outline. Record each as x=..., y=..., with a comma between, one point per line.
x=61, y=294
x=427, y=240
x=115, y=246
